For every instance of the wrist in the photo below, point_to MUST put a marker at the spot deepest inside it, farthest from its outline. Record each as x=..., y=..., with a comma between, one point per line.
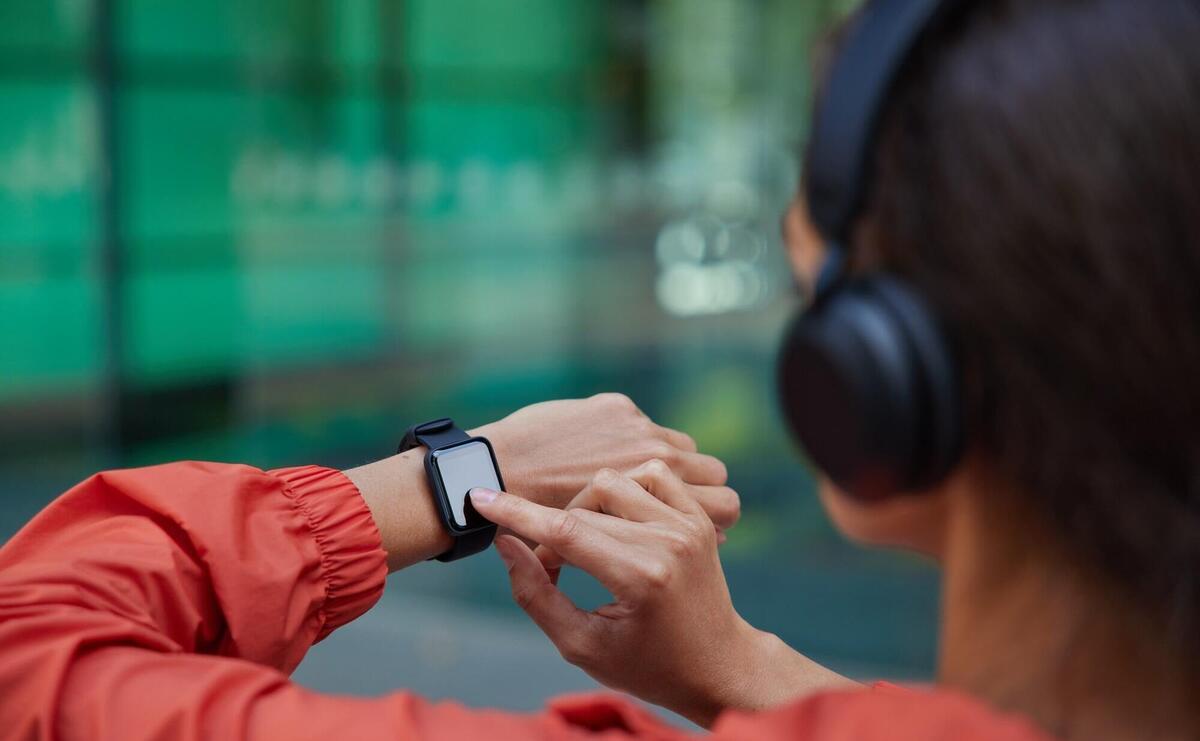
x=517, y=479
x=739, y=687
x=397, y=493
x=773, y=673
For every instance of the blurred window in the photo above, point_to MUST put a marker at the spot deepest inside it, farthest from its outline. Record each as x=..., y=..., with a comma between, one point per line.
x=280, y=231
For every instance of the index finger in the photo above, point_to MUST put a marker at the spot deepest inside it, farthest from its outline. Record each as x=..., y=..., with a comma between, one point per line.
x=566, y=531
x=678, y=439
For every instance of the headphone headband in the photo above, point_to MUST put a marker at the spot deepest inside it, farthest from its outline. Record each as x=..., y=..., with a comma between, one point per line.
x=868, y=382
x=843, y=136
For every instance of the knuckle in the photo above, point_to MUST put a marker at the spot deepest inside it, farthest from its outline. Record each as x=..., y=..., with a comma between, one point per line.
x=645, y=427
x=525, y=597
x=658, y=469
x=616, y=400
x=679, y=545
x=656, y=575
x=605, y=480
x=661, y=452
x=564, y=528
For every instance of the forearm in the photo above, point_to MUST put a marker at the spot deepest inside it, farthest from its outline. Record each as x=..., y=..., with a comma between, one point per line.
x=397, y=493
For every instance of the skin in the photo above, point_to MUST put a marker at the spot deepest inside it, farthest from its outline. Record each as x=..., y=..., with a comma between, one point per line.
x=672, y=636
x=547, y=453
x=1025, y=627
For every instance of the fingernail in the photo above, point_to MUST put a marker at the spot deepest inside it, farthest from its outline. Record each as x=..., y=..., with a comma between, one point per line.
x=483, y=496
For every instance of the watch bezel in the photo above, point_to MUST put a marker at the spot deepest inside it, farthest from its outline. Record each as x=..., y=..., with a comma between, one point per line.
x=442, y=499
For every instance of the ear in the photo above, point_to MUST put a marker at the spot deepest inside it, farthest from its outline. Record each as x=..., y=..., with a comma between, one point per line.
x=915, y=522
x=805, y=248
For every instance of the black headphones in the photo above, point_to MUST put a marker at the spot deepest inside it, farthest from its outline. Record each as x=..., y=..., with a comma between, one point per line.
x=868, y=382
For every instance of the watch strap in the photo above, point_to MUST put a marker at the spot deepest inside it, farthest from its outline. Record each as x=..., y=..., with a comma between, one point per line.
x=469, y=544
x=435, y=435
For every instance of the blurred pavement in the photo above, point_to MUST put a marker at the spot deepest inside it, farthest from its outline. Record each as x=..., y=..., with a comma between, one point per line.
x=444, y=650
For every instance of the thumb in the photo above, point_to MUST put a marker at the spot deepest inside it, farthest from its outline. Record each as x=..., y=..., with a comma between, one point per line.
x=564, y=624
x=551, y=561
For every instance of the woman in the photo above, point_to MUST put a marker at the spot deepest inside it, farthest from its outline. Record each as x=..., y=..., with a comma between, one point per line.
x=1034, y=180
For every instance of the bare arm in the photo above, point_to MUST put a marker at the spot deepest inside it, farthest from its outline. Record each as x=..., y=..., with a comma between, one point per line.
x=547, y=453
x=172, y=601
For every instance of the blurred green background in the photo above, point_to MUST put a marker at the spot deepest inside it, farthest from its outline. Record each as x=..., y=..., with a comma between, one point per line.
x=280, y=231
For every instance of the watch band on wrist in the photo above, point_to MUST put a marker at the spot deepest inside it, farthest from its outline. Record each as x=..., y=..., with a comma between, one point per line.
x=433, y=435
x=468, y=545
x=437, y=435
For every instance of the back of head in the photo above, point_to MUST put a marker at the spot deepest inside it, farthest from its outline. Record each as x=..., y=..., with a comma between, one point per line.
x=1038, y=181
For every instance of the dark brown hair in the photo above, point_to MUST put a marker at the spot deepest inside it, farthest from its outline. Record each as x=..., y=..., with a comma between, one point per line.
x=1038, y=181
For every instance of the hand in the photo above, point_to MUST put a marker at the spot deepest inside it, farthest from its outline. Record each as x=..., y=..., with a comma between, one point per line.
x=548, y=451
x=672, y=636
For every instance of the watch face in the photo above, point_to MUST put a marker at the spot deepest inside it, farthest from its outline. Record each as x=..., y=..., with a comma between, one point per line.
x=462, y=468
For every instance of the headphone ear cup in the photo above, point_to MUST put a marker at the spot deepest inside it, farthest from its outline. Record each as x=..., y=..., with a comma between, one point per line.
x=856, y=388
x=941, y=432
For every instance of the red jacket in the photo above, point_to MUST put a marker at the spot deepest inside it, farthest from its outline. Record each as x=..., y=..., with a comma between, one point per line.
x=173, y=601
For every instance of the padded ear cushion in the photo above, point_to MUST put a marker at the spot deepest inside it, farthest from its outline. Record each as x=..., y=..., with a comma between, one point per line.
x=942, y=429
x=857, y=388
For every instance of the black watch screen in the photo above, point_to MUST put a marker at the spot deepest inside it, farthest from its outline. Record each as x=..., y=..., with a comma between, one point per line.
x=457, y=470
x=455, y=464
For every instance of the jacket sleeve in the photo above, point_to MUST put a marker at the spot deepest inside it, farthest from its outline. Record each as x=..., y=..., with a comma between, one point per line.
x=173, y=601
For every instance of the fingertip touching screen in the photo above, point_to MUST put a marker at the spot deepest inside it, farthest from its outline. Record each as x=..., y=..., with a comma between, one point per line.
x=462, y=468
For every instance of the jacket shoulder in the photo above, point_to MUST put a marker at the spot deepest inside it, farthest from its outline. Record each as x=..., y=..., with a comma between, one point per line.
x=882, y=712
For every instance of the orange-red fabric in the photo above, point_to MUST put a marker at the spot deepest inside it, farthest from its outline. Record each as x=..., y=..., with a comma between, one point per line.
x=173, y=601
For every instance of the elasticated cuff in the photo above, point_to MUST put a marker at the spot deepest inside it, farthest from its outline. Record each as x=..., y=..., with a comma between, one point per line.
x=599, y=712
x=353, y=562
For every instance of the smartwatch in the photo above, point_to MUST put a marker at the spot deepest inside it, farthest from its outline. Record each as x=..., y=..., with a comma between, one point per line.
x=456, y=463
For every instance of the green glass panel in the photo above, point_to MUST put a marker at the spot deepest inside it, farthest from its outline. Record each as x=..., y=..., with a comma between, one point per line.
x=273, y=30
x=49, y=297
x=47, y=171
x=312, y=314
x=488, y=302
x=515, y=35
x=51, y=330
x=180, y=325
x=450, y=130
x=178, y=150
x=45, y=27
x=340, y=33
x=199, y=323
x=209, y=162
